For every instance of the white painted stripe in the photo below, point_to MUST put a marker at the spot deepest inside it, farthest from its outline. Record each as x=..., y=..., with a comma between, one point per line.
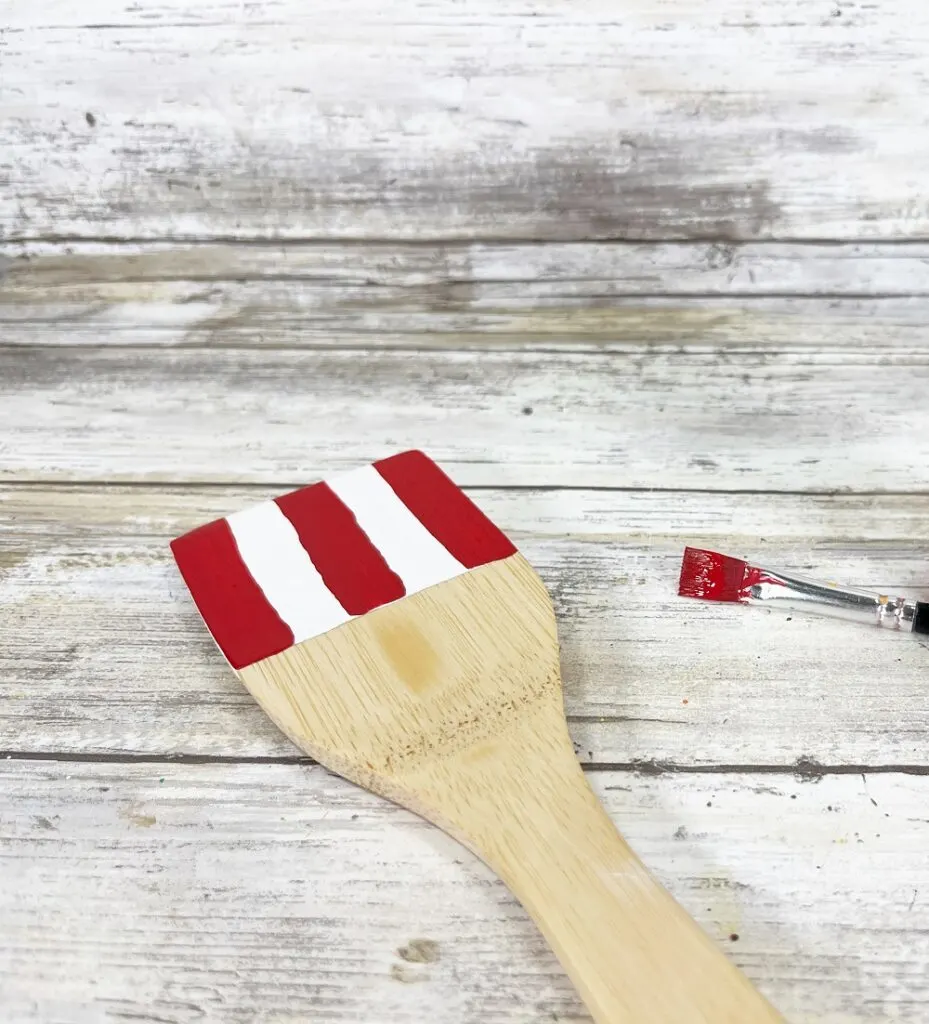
x=405, y=544
x=278, y=562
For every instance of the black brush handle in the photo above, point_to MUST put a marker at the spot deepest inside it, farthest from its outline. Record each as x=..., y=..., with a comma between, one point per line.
x=921, y=620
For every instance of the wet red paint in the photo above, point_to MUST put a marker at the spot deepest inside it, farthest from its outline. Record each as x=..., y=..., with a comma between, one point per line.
x=444, y=509
x=710, y=576
x=242, y=622
x=753, y=576
x=351, y=566
x=237, y=612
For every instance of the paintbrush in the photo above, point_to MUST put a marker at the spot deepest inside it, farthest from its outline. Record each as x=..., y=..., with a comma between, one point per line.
x=398, y=637
x=710, y=576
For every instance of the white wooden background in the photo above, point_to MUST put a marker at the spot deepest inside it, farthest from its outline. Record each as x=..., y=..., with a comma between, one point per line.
x=639, y=275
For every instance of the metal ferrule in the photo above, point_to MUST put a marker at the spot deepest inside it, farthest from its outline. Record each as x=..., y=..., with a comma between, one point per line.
x=786, y=591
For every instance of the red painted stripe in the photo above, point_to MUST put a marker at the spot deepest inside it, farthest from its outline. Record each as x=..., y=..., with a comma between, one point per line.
x=443, y=508
x=351, y=566
x=232, y=604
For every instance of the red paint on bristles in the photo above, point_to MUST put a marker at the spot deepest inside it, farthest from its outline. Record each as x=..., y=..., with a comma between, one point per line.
x=710, y=576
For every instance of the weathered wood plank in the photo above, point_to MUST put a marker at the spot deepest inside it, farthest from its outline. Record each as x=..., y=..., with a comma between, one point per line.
x=249, y=893
x=752, y=420
x=575, y=269
x=603, y=296
x=554, y=120
x=104, y=653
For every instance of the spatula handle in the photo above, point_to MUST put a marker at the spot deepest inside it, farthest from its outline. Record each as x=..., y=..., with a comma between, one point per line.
x=634, y=954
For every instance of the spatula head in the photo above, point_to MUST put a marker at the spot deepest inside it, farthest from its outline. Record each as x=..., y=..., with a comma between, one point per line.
x=379, y=618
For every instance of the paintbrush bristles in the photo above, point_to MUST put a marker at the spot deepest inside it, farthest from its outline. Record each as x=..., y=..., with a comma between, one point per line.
x=710, y=576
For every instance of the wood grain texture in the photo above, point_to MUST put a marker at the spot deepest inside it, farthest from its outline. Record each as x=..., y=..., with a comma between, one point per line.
x=550, y=120
x=598, y=296
x=38, y=271
x=732, y=286
x=747, y=420
x=234, y=893
x=86, y=571
x=449, y=702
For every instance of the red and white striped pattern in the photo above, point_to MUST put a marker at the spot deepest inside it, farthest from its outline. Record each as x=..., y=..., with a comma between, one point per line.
x=290, y=569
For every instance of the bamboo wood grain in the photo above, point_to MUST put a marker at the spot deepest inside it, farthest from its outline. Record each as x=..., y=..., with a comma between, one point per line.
x=449, y=702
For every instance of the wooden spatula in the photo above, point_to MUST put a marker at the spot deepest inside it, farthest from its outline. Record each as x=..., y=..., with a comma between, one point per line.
x=398, y=637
